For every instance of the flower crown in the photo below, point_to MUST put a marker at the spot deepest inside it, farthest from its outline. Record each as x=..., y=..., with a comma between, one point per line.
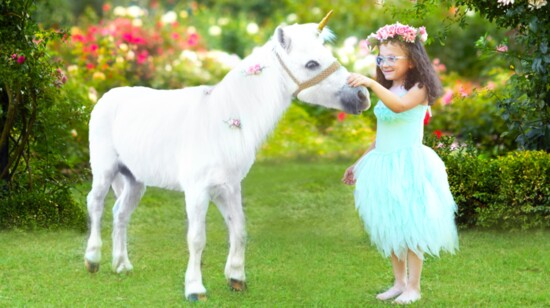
x=398, y=31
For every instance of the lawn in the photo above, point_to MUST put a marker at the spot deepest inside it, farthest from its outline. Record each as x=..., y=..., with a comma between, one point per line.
x=306, y=247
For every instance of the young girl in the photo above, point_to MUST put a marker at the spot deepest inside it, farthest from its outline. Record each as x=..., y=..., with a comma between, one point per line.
x=402, y=193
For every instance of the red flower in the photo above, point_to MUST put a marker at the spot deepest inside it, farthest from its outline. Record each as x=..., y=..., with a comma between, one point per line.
x=90, y=66
x=341, y=116
x=427, y=118
x=438, y=133
x=21, y=59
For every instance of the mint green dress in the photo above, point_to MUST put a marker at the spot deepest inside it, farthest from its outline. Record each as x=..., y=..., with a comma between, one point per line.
x=402, y=192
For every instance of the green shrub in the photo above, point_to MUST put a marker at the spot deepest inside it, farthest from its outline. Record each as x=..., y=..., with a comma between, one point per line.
x=523, y=196
x=46, y=209
x=509, y=192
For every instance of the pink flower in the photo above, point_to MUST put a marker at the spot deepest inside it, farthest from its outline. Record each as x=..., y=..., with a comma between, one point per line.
x=423, y=34
x=255, y=69
x=142, y=57
x=463, y=91
x=193, y=39
x=447, y=97
x=21, y=59
x=502, y=48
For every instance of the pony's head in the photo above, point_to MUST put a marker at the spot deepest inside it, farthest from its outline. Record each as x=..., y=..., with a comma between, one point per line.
x=311, y=71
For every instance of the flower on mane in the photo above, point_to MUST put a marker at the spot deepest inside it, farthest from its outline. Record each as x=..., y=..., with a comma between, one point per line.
x=397, y=31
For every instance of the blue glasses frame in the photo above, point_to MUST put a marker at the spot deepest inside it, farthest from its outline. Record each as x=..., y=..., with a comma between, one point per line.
x=389, y=60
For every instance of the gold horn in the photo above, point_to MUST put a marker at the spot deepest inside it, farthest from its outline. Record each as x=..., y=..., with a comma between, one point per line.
x=323, y=22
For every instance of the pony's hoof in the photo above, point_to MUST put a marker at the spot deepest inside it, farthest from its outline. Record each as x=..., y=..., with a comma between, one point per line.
x=197, y=298
x=91, y=267
x=237, y=285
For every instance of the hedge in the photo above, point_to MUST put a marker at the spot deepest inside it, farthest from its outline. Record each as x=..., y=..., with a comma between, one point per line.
x=507, y=192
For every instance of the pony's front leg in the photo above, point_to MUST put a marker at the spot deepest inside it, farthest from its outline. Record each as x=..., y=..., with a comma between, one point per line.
x=196, y=204
x=228, y=199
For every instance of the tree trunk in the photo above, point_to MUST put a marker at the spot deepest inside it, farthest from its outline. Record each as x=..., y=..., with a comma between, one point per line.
x=4, y=149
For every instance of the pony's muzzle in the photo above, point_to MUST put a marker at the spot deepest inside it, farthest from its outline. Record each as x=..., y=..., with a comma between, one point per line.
x=354, y=100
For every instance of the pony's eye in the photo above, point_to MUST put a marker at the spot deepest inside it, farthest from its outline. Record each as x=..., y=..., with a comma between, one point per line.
x=312, y=65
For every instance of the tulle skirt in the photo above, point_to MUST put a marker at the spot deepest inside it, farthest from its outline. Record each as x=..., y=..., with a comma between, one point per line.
x=404, y=200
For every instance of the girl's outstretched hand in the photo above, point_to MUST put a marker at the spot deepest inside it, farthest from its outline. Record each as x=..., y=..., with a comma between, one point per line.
x=349, y=177
x=356, y=80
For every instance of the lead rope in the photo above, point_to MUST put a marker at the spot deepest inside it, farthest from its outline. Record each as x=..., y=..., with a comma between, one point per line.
x=313, y=81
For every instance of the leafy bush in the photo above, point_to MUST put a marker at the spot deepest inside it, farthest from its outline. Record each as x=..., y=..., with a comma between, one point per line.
x=34, y=121
x=523, y=196
x=50, y=208
x=508, y=192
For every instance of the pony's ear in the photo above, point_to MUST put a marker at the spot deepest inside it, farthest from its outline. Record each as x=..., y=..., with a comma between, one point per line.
x=283, y=40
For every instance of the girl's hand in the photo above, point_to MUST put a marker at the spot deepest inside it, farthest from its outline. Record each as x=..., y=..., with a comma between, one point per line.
x=356, y=80
x=349, y=177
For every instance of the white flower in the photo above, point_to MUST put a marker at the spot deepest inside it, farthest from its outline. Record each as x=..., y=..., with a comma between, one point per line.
x=137, y=22
x=119, y=11
x=505, y=2
x=215, y=30
x=252, y=28
x=223, y=21
x=292, y=18
x=536, y=4
x=169, y=18
x=135, y=11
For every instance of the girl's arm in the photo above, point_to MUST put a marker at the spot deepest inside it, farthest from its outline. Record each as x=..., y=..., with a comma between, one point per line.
x=349, y=176
x=414, y=97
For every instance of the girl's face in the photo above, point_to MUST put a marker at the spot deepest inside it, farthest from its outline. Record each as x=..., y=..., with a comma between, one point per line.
x=394, y=63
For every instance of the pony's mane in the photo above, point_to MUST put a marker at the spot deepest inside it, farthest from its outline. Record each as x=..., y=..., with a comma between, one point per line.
x=264, y=103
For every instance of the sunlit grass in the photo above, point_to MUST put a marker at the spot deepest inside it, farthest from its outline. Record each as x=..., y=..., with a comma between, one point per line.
x=306, y=247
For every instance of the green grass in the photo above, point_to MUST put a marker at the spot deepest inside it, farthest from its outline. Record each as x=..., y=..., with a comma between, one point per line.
x=306, y=247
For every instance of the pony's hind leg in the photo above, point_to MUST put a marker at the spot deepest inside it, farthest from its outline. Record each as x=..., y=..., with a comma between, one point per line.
x=129, y=195
x=96, y=198
x=196, y=206
x=229, y=202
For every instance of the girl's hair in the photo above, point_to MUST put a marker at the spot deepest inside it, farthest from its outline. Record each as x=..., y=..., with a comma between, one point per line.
x=422, y=73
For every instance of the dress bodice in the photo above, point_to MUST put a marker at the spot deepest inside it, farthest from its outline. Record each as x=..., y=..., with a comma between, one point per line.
x=398, y=130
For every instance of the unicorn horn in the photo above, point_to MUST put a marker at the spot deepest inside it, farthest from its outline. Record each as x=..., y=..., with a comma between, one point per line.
x=324, y=21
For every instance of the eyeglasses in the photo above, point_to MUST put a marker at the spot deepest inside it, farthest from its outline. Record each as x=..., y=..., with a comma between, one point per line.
x=389, y=60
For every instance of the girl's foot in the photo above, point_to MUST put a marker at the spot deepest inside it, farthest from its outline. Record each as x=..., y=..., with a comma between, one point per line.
x=408, y=296
x=392, y=292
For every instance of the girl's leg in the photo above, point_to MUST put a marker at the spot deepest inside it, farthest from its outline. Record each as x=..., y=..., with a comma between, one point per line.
x=412, y=291
x=400, y=274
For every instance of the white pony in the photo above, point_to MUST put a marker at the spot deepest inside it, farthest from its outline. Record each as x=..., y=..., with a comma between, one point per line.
x=203, y=140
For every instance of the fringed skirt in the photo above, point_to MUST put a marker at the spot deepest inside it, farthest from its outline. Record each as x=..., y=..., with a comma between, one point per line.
x=404, y=200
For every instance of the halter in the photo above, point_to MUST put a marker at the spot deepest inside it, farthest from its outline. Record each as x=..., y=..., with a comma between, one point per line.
x=311, y=82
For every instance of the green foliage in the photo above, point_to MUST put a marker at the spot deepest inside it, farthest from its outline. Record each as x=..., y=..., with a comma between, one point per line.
x=468, y=110
x=523, y=196
x=508, y=192
x=297, y=136
x=51, y=207
x=34, y=121
x=526, y=103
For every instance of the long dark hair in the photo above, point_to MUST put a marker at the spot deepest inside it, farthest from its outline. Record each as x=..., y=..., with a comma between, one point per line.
x=422, y=73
